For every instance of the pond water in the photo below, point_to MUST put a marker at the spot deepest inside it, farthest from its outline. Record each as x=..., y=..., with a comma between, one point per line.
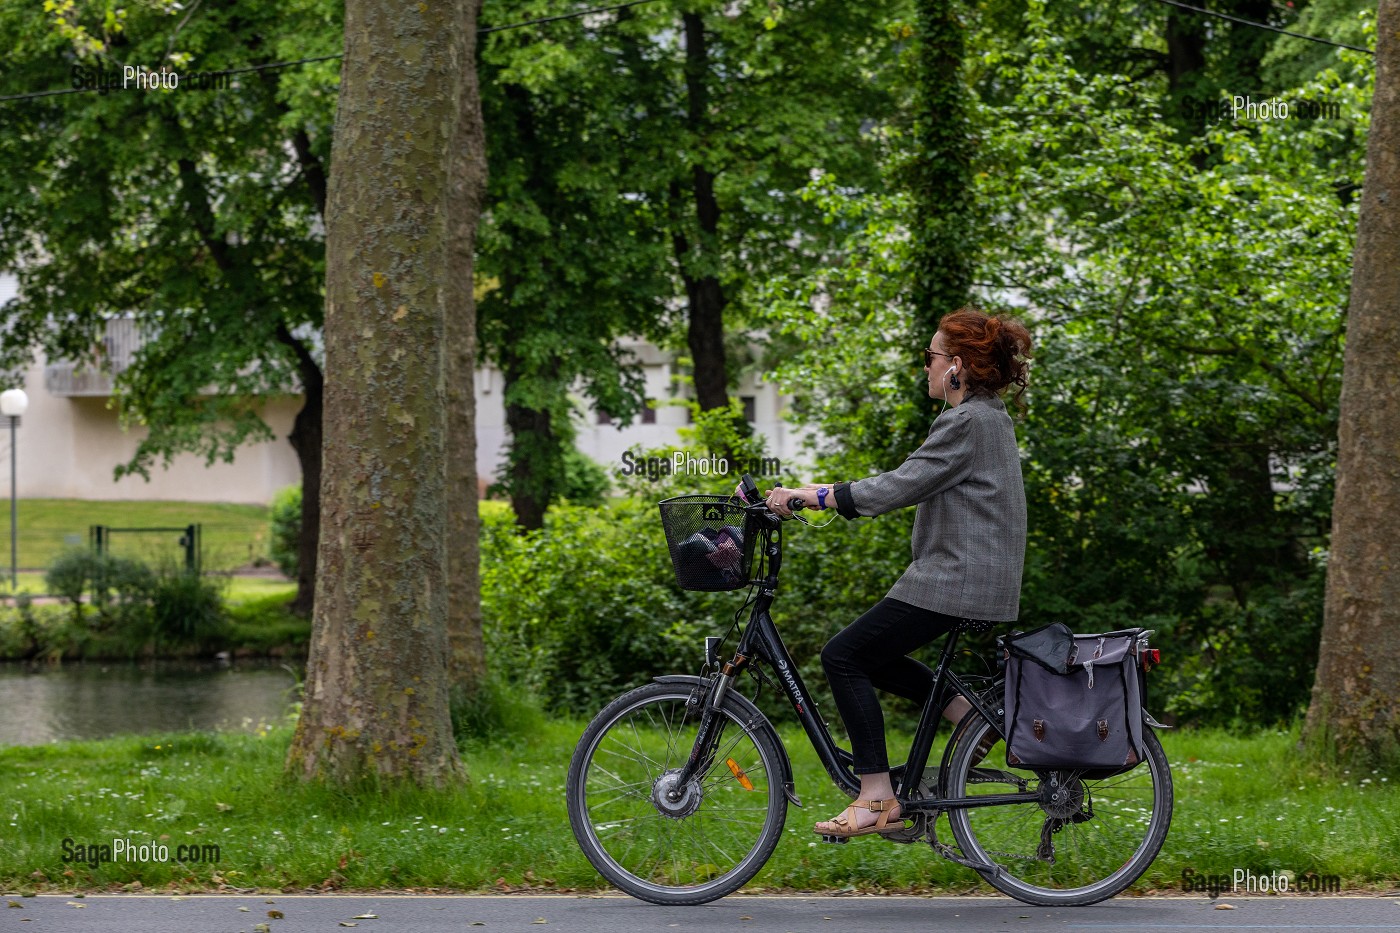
x=90, y=700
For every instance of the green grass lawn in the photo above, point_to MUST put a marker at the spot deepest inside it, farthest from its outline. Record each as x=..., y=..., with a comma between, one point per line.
x=239, y=590
x=1247, y=803
x=234, y=535
x=236, y=589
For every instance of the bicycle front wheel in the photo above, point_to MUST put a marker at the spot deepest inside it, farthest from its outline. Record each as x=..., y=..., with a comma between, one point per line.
x=656, y=839
x=1084, y=839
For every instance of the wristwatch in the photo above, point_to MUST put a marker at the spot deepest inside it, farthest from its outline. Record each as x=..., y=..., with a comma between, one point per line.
x=821, y=498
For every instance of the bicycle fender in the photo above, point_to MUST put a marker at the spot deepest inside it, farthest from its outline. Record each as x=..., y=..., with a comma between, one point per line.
x=754, y=715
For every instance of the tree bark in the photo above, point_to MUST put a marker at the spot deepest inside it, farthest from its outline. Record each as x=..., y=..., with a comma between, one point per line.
x=1356, y=696
x=939, y=176
x=1186, y=51
x=467, y=175
x=399, y=204
x=704, y=292
x=306, y=440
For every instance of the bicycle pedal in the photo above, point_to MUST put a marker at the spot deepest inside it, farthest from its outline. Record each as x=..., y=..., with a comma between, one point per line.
x=836, y=840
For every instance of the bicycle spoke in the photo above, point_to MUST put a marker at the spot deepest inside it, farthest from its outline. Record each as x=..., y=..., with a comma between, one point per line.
x=708, y=834
x=1119, y=832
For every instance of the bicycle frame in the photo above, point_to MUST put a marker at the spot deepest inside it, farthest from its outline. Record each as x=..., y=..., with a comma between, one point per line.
x=761, y=641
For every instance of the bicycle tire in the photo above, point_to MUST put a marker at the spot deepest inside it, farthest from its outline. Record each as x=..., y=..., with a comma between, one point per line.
x=680, y=853
x=1092, y=859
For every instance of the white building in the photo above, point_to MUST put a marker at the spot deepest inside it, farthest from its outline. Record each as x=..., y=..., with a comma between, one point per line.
x=69, y=440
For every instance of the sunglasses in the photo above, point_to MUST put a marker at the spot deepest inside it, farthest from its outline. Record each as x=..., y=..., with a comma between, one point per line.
x=930, y=354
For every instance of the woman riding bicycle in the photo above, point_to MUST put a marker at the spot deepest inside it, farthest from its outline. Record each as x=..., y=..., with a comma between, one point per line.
x=968, y=545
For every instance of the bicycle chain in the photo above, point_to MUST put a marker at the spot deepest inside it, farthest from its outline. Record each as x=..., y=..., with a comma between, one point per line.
x=940, y=846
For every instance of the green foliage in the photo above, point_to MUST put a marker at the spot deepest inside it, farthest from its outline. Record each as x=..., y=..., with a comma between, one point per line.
x=1180, y=442
x=498, y=710
x=284, y=531
x=594, y=226
x=131, y=605
x=625, y=620
x=585, y=482
x=1244, y=666
x=186, y=608
x=202, y=206
x=118, y=590
x=68, y=576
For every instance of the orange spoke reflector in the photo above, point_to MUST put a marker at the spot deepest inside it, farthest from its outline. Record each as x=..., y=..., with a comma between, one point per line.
x=739, y=774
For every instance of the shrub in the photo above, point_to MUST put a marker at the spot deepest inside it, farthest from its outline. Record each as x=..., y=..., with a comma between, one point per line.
x=588, y=606
x=186, y=608
x=494, y=709
x=585, y=482
x=285, y=536
x=119, y=589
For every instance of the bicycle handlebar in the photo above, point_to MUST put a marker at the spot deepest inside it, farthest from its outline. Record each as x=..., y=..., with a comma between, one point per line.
x=748, y=492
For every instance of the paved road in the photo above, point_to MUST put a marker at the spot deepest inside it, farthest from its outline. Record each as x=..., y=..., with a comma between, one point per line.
x=618, y=914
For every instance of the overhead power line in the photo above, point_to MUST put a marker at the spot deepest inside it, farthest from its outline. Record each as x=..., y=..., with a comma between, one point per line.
x=552, y=19
x=1250, y=22
x=272, y=66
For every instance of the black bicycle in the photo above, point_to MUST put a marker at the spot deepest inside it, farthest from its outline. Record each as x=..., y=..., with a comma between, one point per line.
x=678, y=790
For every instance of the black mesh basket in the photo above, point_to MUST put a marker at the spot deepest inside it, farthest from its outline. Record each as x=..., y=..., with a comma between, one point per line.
x=711, y=544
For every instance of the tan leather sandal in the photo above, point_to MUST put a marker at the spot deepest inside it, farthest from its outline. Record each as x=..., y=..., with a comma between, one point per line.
x=844, y=826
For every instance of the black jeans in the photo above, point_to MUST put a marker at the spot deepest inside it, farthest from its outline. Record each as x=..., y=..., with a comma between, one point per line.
x=872, y=652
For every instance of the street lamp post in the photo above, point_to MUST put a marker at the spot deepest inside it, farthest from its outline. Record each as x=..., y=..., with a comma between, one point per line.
x=13, y=402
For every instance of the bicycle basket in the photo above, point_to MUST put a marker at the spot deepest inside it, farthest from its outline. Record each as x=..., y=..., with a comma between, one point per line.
x=711, y=544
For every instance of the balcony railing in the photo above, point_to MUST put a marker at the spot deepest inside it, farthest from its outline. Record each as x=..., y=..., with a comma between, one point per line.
x=114, y=354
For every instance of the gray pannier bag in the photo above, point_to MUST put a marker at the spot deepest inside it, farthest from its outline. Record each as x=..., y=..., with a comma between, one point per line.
x=1075, y=701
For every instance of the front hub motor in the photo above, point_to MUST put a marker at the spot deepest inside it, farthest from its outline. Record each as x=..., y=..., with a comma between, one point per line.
x=674, y=800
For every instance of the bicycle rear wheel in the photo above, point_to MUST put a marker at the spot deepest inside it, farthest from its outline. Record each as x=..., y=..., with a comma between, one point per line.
x=1084, y=840
x=669, y=844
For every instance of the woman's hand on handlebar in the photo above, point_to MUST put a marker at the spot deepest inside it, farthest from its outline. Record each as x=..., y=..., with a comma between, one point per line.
x=780, y=499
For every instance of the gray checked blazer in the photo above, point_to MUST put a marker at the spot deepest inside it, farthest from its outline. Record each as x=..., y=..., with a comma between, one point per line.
x=969, y=542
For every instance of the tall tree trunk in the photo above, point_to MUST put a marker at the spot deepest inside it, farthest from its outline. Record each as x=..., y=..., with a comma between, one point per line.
x=1356, y=696
x=535, y=457
x=1186, y=51
x=467, y=176
x=704, y=294
x=939, y=175
x=535, y=461
x=306, y=439
x=377, y=679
